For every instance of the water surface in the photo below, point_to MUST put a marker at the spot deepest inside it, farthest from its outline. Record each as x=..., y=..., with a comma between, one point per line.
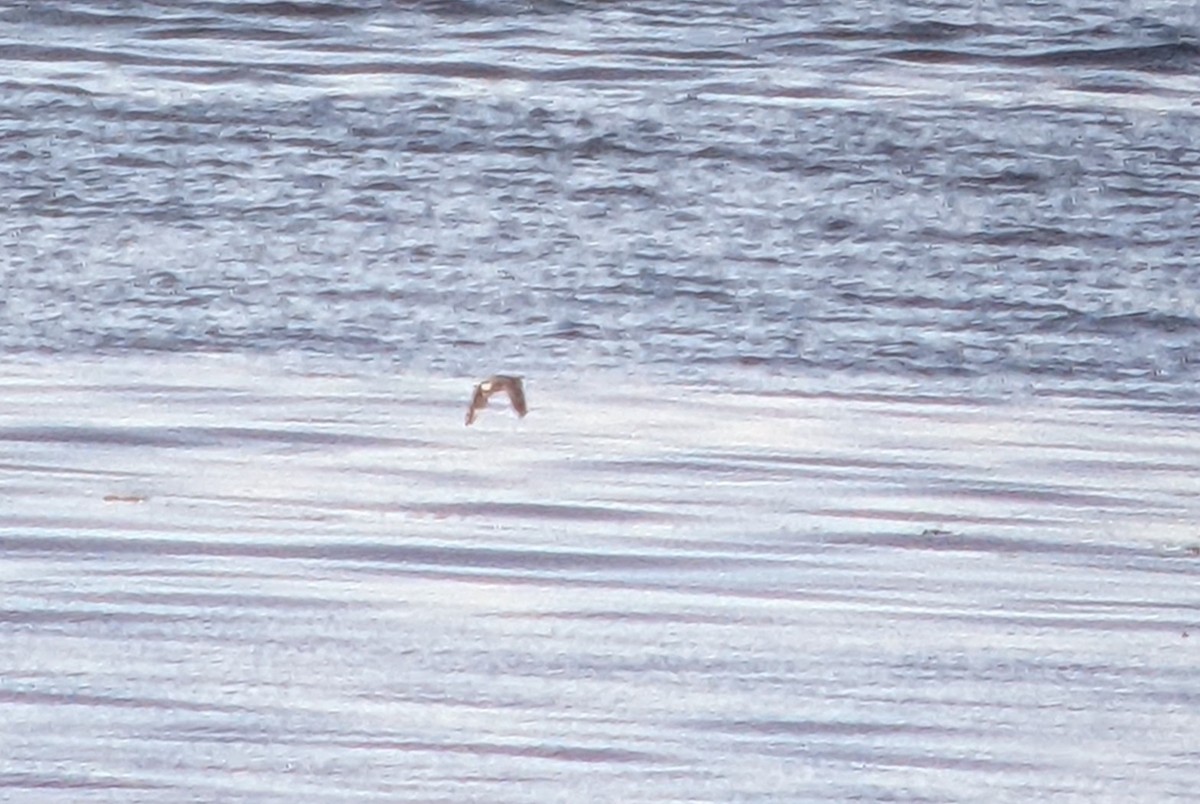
x=225, y=582
x=860, y=346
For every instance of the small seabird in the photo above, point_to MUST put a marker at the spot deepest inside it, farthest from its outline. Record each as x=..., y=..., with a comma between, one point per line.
x=494, y=385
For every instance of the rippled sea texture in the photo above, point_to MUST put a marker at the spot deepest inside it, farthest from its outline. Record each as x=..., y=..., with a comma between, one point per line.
x=860, y=347
x=956, y=192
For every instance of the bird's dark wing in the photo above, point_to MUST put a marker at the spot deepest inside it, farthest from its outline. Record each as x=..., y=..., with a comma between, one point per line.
x=516, y=395
x=478, y=402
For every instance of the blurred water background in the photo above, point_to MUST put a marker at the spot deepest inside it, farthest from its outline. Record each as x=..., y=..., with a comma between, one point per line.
x=860, y=342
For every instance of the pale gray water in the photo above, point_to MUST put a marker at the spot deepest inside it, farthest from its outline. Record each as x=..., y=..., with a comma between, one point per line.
x=861, y=352
x=228, y=583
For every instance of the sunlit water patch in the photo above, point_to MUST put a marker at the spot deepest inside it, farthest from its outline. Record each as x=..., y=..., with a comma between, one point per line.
x=228, y=579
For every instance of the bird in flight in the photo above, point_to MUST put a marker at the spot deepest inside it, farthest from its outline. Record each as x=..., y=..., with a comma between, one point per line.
x=494, y=385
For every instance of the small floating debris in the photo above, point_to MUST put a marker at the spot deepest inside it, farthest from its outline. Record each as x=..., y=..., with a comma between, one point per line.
x=124, y=498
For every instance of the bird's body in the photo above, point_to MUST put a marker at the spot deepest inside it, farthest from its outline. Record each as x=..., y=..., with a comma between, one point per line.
x=494, y=385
